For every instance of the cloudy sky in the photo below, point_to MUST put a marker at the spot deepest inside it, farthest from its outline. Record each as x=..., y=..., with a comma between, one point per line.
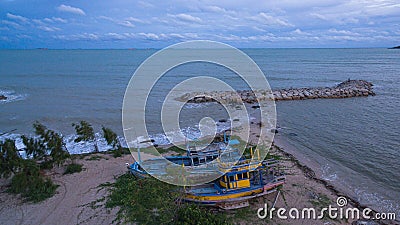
x=156, y=24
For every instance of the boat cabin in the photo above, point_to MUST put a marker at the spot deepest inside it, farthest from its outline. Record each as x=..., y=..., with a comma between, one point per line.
x=235, y=180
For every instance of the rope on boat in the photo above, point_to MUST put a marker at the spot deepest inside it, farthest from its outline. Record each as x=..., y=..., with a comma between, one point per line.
x=276, y=198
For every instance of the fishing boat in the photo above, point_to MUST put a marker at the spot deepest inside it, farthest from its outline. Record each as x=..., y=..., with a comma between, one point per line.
x=197, y=154
x=241, y=179
x=241, y=183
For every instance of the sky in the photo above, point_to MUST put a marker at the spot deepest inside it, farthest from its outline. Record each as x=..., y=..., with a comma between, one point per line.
x=156, y=24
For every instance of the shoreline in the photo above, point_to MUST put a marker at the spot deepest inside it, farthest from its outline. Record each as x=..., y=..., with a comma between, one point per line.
x=312, y=174
x=78, y=192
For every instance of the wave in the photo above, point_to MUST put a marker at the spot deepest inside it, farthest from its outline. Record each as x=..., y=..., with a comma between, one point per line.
x=83, y=147
x=190, y=133
x=12, y=96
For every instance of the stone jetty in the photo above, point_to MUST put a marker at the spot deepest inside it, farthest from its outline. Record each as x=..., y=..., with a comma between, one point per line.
x=346, y=89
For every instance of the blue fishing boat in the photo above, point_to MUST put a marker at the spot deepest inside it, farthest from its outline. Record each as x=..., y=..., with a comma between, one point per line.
x=196, y=155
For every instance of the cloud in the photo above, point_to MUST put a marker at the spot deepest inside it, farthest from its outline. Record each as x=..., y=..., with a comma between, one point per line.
x=136, y=20
x=126, y=23
x=12, y=24
x=343, y=32
x=300, y=32
x=78, y=37
x=269, y=20
x=217, y=9
x=55, y=19
x=126, y=36
x=70, y=9
x=48, y=29
x=283, y=23
x=145, y=4
x=186, y=18
x=17, y=18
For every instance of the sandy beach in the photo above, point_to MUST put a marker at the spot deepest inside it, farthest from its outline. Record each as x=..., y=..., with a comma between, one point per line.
x=80, y=198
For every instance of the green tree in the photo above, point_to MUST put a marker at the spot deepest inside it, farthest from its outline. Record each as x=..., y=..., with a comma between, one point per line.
x=111, y=137
x=49, y=142
x=34, y=147
x=85, y=133
x=9, y=158
x=58, y=151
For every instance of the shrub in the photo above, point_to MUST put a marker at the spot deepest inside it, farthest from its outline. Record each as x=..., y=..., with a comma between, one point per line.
x=10, y=162
x=73, y=168
x=31, y=184
x=150, y=201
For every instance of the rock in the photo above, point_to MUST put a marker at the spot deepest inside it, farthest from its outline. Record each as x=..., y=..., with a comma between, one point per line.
x=2, y=97
x=274, y=131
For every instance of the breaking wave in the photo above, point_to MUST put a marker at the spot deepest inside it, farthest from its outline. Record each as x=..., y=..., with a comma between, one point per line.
x=12, y=96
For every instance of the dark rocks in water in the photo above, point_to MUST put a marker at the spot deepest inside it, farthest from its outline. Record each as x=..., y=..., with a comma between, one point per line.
x=397, y=47
x=346, y=89
x=2, y=97
x=222, y=120
x=274, y=131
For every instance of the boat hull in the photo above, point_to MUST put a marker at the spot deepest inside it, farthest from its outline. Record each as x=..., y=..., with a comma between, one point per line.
x=213, y=199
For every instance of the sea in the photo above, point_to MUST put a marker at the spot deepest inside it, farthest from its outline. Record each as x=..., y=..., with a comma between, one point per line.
x=354, y=143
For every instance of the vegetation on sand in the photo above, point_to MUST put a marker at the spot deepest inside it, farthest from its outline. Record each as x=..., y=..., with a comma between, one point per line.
x=150, y=201
x=73, y=168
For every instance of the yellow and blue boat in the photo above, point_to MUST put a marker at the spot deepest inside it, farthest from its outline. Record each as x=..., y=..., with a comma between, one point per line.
x=241, y=183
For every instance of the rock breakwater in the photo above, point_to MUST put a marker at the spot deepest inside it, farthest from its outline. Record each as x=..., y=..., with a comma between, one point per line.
x=346, y=89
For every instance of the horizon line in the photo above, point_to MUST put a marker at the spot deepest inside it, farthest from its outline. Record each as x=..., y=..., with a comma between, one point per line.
x=157, y=48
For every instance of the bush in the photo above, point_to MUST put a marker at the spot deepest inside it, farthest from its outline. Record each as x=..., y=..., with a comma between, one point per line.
x=73, y=168
x=150, y=201
x=143, y=201
x=120, y=151
x=31, y=184
x=10, y=162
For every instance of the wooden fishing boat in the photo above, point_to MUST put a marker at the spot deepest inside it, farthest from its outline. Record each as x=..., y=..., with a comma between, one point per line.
x=233, y=190
x=196, y=155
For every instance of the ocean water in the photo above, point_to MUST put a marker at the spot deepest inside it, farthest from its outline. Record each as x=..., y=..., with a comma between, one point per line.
x=354, y=143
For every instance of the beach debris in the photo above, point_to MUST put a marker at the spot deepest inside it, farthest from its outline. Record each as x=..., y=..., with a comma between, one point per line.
x=345, y=89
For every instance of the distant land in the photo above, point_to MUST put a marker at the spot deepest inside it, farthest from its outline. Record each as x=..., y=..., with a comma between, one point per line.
x=397, y=47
